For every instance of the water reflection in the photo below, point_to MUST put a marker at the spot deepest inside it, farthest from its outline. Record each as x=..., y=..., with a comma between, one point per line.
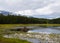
x=45, y=30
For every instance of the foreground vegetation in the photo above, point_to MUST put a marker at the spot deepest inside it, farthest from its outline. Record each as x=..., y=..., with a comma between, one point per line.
x=41, y=37
x=12, y=40
x=3, y=28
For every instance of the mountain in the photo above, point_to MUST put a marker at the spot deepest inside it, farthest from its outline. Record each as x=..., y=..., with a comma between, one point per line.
x=6, y=12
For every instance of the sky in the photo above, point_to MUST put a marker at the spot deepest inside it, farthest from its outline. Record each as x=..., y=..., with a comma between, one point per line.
x=36, y=8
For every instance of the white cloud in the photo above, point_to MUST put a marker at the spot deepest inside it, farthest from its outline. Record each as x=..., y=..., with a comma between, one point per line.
x=25, y=12
x=1, y=8
x=31, y=7
x=16, y=5
x=46, y=10
x=13, y=2
x=49, y=9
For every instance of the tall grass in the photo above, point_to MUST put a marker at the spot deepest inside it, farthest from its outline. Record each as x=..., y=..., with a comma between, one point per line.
x=11, y=40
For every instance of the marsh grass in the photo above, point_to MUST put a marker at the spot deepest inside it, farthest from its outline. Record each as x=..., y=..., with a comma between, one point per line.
x=4, y=30
x=8, y=26
x=12, y=40
x=4, y=27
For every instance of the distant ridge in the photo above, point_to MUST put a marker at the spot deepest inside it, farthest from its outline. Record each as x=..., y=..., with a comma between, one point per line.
x=6, y=12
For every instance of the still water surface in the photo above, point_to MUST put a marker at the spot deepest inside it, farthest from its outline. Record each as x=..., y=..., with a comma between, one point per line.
x=55, y=30
x=45, y=30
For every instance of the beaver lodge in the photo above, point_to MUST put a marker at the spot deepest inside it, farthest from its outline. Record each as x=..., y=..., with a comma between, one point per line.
x=23, y=29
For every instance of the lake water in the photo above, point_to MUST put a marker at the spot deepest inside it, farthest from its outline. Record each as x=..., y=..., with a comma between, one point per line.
x=48, y=30
x=55, y=30
x=45, y=30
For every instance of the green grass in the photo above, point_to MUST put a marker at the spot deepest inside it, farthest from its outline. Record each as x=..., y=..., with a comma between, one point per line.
x=4, y=26
x=12, y=40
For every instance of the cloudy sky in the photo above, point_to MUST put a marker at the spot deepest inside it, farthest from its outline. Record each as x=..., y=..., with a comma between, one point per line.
x=35, y=8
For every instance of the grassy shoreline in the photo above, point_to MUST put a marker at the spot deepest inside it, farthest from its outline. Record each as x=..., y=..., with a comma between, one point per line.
x=15, y=25
x=8, y=26
x=12, y=40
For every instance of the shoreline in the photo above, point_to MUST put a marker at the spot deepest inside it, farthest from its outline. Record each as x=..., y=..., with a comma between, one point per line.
x=39, y=36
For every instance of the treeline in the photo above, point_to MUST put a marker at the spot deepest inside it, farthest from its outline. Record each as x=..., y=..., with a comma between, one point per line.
x=54, y=21
x=18, y=19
